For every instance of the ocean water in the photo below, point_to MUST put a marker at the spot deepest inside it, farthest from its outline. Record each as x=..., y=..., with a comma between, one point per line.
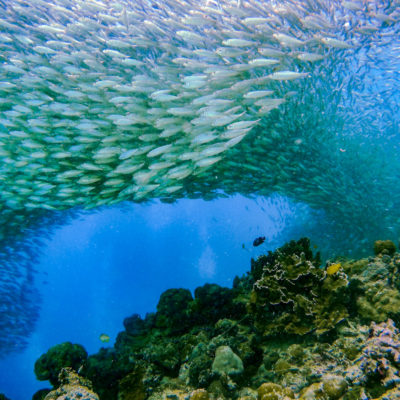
x=99, y=269
x=144, y=146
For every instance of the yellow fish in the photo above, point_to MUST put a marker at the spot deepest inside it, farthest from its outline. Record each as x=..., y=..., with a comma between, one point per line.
x=333, y=268
x=104, y=338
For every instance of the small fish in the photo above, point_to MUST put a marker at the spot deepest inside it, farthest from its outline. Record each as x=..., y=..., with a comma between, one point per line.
x=258, y=241
x=311, y=57
x=333, y=268
x=238, y=42
x=340, y=44
x=104, y=338
x=286, y=40
x=287, y=75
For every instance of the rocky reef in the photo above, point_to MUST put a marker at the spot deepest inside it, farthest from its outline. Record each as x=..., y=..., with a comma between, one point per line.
x=72, y=387
x=291, y=328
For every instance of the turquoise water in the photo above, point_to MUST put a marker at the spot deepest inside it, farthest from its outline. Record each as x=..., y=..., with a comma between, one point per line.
x=103, y=104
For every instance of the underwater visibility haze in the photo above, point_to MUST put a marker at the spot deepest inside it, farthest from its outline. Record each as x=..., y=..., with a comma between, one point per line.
x=290, y=107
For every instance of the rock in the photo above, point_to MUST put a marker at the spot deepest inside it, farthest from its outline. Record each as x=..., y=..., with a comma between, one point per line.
x=105, y=369
x=312, y=392
x=384, y=247
x=392, y=394
x=39, y=395
x=72, y=387
x=296, y=352
x=199, y=372
x=226, y=362
x=282, y=366
x=212, y=302
x=173, y=311
x=135, y=325
x=273, y=391
x=131, y=387
x=334, y=386
x=66, y=354
x=247, y=393
x=199, y=394
x=380, y=357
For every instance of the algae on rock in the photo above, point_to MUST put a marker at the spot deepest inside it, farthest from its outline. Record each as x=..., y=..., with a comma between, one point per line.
x=49, y=365
x=72, y=387
x=227, y=362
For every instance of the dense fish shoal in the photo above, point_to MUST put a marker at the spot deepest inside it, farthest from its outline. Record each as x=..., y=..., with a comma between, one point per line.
x=102, y=103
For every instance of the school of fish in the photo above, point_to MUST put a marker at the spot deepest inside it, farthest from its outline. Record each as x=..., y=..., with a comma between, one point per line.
x=104, y=102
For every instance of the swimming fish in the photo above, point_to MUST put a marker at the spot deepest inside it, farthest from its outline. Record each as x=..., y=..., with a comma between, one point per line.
x=104, y=338
x=333, y=268
x=258, y=241
x=102, y=104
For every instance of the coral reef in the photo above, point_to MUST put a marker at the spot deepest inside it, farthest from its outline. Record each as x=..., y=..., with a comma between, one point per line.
x=49, y=365
x=384, y=247
x=289, y=329
x=375, y=285
x=378, y=365
x=41, y=394
x=173, y=311
x=105, y=369
x=293, y=294
x=72, y=387
x=273, y=391
x=226, y=362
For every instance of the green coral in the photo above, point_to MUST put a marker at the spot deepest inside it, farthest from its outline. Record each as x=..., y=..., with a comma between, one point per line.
x=227, y=362
x=105, y=369
x=375, y=287
x=293, y=294
x=49, y=365
x=211, y=303
x=273, y=391
x=302, y=246
x=392, y=394
x=173, y=311
x=166, y=355
x=384, y=247
x=331, y=387
x=199, y=394
x=296, y=352
x=131, y=387
x=334, y=386
x=39, y=395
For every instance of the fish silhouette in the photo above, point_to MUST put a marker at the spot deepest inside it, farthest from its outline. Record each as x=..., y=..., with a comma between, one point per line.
x=258, y=241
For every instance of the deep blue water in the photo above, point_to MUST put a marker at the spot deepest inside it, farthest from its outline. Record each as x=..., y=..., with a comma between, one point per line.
x=106, y=266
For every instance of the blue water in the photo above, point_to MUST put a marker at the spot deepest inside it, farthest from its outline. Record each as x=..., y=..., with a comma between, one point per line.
x=108, y=265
